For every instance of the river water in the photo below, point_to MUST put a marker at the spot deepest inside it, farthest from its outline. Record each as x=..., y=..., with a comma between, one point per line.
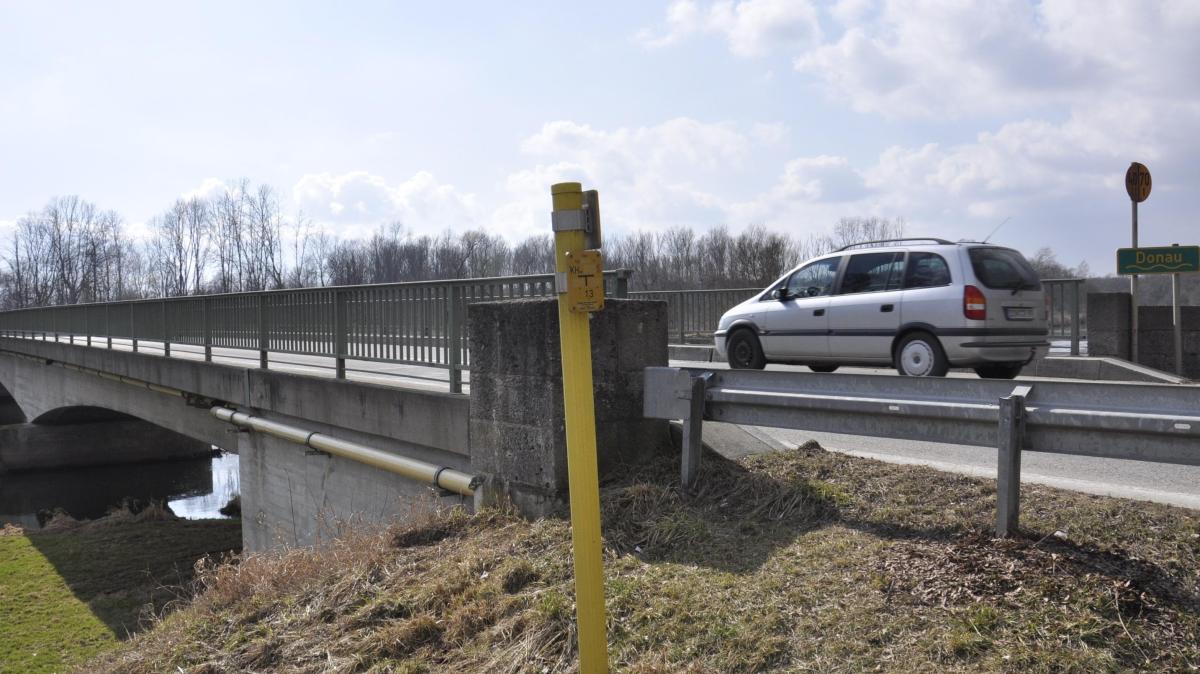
x=193, y=488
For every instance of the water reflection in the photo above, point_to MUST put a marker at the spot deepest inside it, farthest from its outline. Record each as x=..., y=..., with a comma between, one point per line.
x=193, y=488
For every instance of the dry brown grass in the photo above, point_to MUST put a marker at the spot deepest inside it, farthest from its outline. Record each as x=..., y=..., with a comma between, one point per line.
x=804, y=561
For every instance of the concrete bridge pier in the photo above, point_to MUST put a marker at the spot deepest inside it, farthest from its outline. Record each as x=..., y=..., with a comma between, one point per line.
x=518, y=435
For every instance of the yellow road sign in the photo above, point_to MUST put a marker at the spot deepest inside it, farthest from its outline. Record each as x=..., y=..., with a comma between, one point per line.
x=585, y=281
x=1137, y=182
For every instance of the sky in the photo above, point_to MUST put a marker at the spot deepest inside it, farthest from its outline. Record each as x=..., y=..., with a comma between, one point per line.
x=955, y=116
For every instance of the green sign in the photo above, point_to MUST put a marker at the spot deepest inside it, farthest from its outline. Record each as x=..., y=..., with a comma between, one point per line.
x=1163, y=260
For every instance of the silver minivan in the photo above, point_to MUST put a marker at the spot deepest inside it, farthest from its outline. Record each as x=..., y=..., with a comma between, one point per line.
x=919, y=305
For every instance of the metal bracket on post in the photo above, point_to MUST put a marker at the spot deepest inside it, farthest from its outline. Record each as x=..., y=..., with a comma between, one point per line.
x=263, y=342
x=207, y=329
x=693, y=424
x=340, y=341
x=166, y=332
x=1008, y=472
x=454, y=323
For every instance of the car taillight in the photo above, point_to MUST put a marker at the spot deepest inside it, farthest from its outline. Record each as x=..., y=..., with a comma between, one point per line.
x=974, y=304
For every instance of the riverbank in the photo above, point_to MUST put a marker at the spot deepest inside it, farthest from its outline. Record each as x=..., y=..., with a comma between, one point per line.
x=798, y=561
x=76, y=589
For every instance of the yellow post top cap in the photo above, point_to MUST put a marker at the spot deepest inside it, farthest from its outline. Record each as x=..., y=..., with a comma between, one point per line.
x=566, y=188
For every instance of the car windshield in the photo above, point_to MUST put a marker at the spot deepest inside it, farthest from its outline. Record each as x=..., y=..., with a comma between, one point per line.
x=1003, y=268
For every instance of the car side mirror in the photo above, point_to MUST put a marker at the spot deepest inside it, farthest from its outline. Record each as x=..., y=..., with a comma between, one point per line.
x=781, y=294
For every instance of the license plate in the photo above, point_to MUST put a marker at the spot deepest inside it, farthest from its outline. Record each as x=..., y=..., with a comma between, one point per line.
x=1019, y=313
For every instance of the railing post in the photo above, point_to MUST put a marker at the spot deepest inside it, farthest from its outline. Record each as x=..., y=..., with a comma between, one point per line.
x=166, y=333
x=263, y=342
x=1075, y=319
x=1008, y=473
x=622, y=283
x=108, y=326
x=454, y=339
x=133, y=333
x=87, y=326
x=693, y=444
x=679, y=302
x=207, y=328
x=339, y=334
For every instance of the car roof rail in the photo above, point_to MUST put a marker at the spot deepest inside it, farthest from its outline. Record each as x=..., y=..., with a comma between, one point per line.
x=941, y=242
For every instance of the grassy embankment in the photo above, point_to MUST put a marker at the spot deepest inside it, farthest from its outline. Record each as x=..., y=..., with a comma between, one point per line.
x=75, y=589
x=805, y=561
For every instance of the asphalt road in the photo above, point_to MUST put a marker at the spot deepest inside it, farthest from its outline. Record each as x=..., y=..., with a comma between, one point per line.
x=1163, y=483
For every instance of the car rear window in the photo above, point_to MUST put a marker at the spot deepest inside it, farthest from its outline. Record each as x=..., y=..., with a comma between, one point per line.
x=926, y=270
x=1003, y=268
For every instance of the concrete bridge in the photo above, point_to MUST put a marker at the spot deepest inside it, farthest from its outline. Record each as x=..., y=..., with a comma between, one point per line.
x=121, y=394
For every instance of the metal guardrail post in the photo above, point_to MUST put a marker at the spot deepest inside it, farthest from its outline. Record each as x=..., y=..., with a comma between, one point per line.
x=108, y=325
x=133, y=333
x=87, y=327
x=693, y=424
x=1008, y=473
x=1075, y=319
x=166, y=334
x=263, y=361
x=339, y=334
x=454, y=324
x=207, y=329
x=622, y=283
x=679, y=303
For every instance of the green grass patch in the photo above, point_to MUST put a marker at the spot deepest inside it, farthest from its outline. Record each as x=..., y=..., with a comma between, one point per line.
x=76, y=590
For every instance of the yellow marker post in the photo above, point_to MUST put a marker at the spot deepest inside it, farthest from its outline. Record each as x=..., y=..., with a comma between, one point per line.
x=574, y=267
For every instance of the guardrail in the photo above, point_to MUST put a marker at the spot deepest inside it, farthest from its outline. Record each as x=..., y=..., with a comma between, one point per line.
x=692, y=315
x=1158, y=423
x=421, y=323
x=1068, y=314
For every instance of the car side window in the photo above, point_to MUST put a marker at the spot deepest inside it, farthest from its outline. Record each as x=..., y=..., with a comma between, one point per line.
x=872, y=272
x=813, y=280
x=926, y=270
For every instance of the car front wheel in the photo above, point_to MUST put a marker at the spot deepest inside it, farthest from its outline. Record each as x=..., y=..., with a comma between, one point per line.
x=745, y=352
x=920, y=354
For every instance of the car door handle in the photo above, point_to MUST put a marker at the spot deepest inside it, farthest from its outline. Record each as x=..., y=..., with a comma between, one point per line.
x=818, y=312
x=887, y=308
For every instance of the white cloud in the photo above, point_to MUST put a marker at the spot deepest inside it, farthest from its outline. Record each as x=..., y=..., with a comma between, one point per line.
x=207, y=189
x=933, y=59
x=359, y=201
x=653, y=176
x=751, y=27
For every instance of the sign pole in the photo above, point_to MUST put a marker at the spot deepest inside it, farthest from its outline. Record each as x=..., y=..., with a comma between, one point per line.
x=1133, y=293
x=573, y=282
x=1178, y=323
x=1137, y=186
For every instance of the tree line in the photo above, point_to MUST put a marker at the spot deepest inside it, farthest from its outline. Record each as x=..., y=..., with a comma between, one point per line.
x=73, y=251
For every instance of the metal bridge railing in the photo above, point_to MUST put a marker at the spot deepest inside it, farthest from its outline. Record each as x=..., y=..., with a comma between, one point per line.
x=692, y=315
x=1068, y=310
x=421, y=323
x=1142, y=422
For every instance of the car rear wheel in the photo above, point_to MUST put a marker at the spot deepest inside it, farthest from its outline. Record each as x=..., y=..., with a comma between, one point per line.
x=823, y=368
x=919, y=354
x=999, y=370
x=744, y=351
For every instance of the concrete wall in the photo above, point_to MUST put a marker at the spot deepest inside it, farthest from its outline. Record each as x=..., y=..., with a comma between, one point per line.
x=1109, y=333
x=517, y=428
x=294, y=496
